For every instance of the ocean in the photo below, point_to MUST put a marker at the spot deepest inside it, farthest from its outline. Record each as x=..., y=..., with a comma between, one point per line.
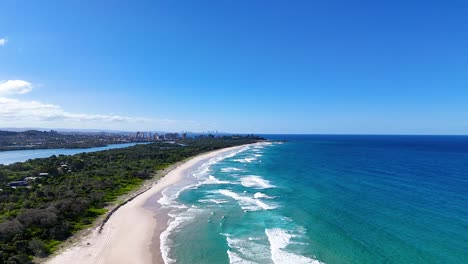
x=324, y=199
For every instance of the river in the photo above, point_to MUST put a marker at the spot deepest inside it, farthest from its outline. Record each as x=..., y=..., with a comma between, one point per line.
x=12, y=156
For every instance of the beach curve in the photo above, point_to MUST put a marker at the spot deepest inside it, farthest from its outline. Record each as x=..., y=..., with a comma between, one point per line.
x=129, y=234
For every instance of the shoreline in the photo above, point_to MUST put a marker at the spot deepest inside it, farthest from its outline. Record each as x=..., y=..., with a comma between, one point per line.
x=132, y=233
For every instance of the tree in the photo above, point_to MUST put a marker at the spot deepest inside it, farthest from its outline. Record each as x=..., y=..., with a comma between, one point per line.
x=9, y=228
x=38, y=217
x=38, y=247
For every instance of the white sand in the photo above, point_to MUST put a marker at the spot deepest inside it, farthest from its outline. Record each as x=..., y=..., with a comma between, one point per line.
x=127, y=236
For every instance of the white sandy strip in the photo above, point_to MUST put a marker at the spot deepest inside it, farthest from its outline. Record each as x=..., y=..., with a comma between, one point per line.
x=128, y=234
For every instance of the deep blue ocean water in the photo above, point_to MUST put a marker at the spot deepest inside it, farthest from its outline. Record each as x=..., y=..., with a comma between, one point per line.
x=327, y=199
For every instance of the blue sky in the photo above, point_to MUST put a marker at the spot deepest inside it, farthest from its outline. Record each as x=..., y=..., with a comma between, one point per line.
x=378, y=67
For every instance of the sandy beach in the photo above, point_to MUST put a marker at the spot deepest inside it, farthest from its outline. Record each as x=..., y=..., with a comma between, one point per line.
x=131, y=235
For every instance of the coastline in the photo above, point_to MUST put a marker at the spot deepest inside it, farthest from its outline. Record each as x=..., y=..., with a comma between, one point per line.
x=132, y=233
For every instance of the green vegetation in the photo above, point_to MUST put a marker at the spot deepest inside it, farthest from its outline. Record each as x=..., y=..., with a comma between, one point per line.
x=33, y=139
x=36, y=218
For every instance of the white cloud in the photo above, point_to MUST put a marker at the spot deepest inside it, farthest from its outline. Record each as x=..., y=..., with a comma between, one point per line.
x=3, y=41
x=14, y=109
x=34, y=110
x=15, y=87
x=26, y=113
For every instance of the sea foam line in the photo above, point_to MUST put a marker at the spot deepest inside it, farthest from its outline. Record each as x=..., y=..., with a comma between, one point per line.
x=254, y=181
x=173, y=225
x=212, y=201
x=246, y=160
x=279, y=239
x=213, y=180
x=259, y=195
x=247, y=203
x=230, y=169
x=242, y=251
x=235, y=258
x=179, y=217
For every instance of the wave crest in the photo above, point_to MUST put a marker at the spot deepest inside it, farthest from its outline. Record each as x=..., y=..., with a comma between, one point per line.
x=247, y=203
x=257, y=182
x=279, y=239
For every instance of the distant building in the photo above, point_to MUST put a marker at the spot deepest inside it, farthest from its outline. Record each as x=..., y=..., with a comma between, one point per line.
x=171, y=136
x=43, y=174
x=184, y=135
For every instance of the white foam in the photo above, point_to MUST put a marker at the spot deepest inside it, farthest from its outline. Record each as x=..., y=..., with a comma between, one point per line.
x=176, y=223
x=230, y=169
x=232, y=154
x=247, y=203
x=164, y=237
x=254, y=181
x=168, y=200
x=246, y=160
x=259, y=195
x=164, y=201
x=235, y=258
x=245, y=250
x=213, y=201
x=213, y=180
x=179, y=212
x=279, y=239
x=203, y=170
x=178, y=193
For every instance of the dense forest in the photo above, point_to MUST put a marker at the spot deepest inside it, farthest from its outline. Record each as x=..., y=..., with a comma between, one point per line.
x=33, y=139
x=74, y=190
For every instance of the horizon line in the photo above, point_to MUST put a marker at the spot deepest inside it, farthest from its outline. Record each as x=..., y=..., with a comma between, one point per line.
x=98, y=130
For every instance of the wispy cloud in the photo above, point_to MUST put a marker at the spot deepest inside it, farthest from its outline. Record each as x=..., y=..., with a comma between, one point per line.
x=18, y=112
x=33, y=110
x=3, y=41
x=12, y=108
x=15, y=87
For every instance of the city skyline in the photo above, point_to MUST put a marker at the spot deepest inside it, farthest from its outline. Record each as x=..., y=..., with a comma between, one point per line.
x=241, y=67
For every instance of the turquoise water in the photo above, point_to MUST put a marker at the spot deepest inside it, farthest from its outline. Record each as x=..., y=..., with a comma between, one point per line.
x=325, y=199
x=12, y=156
